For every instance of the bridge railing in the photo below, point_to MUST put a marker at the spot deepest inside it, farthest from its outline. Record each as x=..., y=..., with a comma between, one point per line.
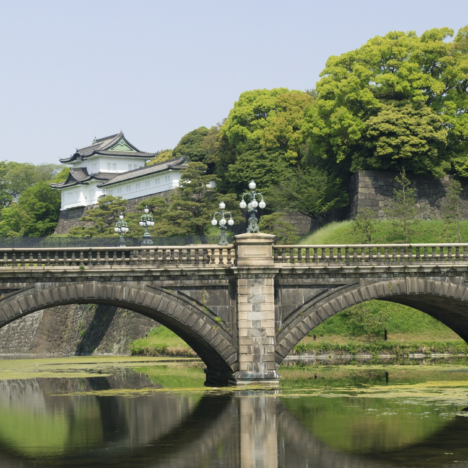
x=370, y=254
x=108, y=257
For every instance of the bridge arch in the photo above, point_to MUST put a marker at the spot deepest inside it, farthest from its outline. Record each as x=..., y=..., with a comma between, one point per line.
x=445, y=300
x=197, y=326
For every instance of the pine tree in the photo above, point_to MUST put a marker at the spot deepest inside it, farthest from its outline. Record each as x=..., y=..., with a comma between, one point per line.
x=451, y=208
x=364, y=226
x=403, y=208
x=101, y=219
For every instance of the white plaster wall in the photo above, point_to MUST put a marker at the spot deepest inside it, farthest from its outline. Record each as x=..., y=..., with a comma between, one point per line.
x=85, y=195
x=109, y=164
x=145, y=185
x=81, y=195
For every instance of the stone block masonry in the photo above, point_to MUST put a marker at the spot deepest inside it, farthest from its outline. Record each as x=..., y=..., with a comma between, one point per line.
x=256, y=310
x=375, y=189
x=74, y=329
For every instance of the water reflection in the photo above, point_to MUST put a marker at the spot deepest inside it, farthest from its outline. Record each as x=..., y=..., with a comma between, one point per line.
x=248, y=429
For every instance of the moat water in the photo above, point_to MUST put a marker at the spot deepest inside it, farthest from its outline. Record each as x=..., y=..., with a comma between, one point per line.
x=141, y=412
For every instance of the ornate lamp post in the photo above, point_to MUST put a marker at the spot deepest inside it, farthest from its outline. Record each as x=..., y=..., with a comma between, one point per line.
x=147, y=221
x=222, y=223
x=252, y=206
x=121, y=228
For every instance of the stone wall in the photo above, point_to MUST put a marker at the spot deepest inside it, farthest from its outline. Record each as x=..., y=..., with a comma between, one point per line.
x=374, y=190
x=72, y=217
x=20, y=335
x=75, y=330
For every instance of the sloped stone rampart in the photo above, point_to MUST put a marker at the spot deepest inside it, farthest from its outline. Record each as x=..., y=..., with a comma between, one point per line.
x=76, y=329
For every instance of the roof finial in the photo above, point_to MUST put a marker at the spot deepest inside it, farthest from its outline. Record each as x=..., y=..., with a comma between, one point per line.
x=94, y=141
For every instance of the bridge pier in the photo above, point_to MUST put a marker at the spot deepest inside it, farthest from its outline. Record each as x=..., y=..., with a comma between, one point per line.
x=256, y=310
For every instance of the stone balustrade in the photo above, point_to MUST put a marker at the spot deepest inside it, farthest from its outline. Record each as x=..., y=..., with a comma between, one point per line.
x=370, y=254
x=118, y=257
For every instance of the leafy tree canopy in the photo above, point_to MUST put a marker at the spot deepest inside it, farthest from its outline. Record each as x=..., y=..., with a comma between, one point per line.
x=21, y=176
x=161, y=156
x=263, y=124
x=6, y=197
x=398, y=101
x=34, y=215
x=191, y=145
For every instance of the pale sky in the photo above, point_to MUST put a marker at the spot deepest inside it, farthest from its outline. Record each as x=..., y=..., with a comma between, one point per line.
x=73, y=70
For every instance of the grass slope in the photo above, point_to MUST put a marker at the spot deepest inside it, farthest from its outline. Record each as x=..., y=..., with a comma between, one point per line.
x=161, y=341
x=424, y=232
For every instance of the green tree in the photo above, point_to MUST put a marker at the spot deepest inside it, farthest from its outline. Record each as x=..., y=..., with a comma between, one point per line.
x=451, y=208
x=275, y=224
x=34, y=215
x=192, y=204
x=199, y=145
x=161, y=156
x=266, y=167
x=101, y=220
x=22, y=176
x=398, y=101
x=264, y=128
x=191, y=145
x=364, y=226
x=312, y=192
x=6, y=197
x=403, y=208
x=61, y=176
x=157, y=207
x=407, y=133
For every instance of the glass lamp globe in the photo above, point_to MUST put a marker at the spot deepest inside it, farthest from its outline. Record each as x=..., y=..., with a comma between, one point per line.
x=242, y=204
x=214, y=222
x=141, y=223
x=254, y=204
x=222, y=222
x=262, y=204
x=222, y=205
x=146, y=210
x=231, y=222
x=252, y=185
x=116, y=229
x=121, y=217
x=151, y=223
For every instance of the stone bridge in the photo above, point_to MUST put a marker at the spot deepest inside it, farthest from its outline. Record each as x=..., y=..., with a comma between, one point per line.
x=242, y=307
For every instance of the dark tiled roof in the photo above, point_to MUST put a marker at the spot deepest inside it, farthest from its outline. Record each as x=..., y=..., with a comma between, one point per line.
x=145, y=171
x=102, y=146
x=80, y=175
x=139, y=154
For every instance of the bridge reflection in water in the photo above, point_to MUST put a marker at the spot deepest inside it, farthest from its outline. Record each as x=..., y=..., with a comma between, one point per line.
x=248, y=429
